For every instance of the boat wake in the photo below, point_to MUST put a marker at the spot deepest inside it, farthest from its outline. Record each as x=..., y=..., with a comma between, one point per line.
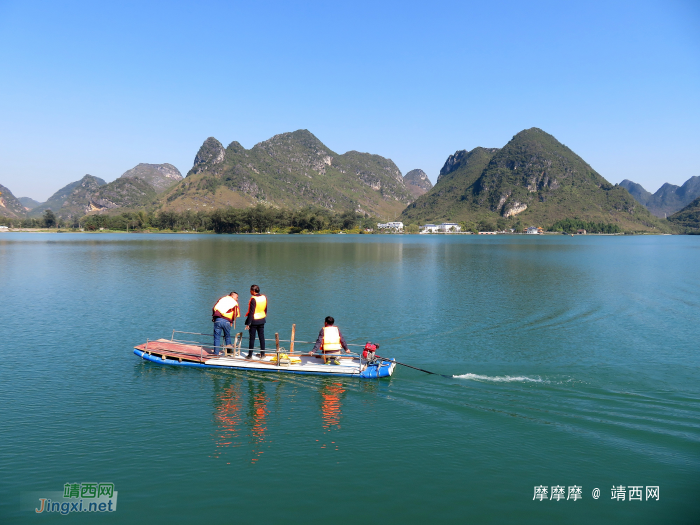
x=500, y=379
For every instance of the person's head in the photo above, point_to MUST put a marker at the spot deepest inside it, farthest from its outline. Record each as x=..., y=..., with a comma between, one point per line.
x=234, y=295
x=254, y=289
x=329, y=321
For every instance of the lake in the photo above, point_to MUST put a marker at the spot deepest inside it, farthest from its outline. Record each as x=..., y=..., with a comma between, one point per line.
x=574, y=364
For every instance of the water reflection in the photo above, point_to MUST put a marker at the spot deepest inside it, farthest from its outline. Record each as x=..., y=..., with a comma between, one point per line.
x=245, y=408
x=257, y=416
x=239, y=410
x=332, y=395
x=227, y=414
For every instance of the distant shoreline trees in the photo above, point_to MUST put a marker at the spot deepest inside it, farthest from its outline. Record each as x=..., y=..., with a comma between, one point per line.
x=261, y=219
x=257, y=219
x=573, y=225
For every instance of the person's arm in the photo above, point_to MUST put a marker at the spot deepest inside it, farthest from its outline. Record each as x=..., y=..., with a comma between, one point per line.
x=342, y=342
x=318, y=344
x=236, y=311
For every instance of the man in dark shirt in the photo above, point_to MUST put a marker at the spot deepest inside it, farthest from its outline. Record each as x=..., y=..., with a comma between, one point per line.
x=255, y=320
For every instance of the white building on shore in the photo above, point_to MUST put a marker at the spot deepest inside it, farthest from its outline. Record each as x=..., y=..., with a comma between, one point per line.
x=398, y=226
x=450, y=227
x=445, y=227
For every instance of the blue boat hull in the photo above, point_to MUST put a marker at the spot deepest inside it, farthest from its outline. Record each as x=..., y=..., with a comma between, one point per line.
x=374, y=371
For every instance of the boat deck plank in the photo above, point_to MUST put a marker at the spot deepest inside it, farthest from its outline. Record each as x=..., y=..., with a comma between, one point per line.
x=186, y=352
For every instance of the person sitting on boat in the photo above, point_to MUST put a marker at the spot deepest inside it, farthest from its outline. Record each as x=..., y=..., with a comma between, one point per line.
x=223, y=314
x=255, y=320
x=331, y=341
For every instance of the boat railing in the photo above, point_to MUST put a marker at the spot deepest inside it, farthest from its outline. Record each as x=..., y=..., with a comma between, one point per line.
x=279, y=350
x=236, y=347
x=266, y=339
x=305, y=342
x=172, y=338
x=237, y=343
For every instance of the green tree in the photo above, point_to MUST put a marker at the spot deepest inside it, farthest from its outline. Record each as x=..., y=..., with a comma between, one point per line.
x=485, y=225
x=49, y=218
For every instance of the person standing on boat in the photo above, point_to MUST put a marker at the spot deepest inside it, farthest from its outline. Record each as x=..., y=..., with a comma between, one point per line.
x=224, y=314
x=331, y=341
x=255, y=320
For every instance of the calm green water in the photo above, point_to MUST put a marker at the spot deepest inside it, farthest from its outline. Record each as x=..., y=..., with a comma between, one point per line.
x=575, y=362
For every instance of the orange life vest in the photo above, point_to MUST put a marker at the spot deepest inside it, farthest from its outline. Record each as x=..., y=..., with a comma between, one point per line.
x=226, y=307
x=331, y=339
x=260, y=305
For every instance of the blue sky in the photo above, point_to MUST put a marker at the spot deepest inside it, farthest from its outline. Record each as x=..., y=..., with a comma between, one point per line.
x=97, y=87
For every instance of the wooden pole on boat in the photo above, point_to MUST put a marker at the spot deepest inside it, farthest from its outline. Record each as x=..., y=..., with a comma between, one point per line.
x=237, y=344
x=277, y=347
x=291, y=343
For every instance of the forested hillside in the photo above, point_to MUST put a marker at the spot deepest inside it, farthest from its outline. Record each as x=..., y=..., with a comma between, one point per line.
x=532, y=180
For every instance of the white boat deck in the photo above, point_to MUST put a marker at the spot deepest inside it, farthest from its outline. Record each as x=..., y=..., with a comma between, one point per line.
x=348, y=365
x=178, y=352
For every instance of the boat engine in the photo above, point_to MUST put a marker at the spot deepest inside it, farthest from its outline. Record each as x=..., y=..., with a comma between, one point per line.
x=368, y=354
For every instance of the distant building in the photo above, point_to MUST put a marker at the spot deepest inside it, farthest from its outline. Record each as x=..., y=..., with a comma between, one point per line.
x=533, y=230
x=391, y=226
x=4, y=228
x=449, y=227
x=581, y=232
x=430, y=228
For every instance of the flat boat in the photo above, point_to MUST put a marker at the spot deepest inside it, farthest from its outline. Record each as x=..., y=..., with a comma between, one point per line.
x=188, y=353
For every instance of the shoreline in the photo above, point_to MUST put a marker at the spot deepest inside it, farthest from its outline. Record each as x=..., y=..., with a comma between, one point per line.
x=170, y=232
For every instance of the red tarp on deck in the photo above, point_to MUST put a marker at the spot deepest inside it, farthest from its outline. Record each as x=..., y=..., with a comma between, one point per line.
x=180, y=351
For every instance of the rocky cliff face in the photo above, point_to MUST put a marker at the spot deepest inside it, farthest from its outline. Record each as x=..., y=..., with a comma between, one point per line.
x=417, y=182
x=375, y=171
x=78, y=202
x=451, y=197
x=535, y=170
x=210, y=154
x=71, y=200
x=127, y=192
x=160, y=176
x=290, y=170
x=533, y=178
x=10, y=206
x=92, y=194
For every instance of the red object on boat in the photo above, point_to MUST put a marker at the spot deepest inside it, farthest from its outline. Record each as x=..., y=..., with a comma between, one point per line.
x=369, y=350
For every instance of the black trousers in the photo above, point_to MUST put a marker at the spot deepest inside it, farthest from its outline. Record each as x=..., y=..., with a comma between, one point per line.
x=260, y=329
